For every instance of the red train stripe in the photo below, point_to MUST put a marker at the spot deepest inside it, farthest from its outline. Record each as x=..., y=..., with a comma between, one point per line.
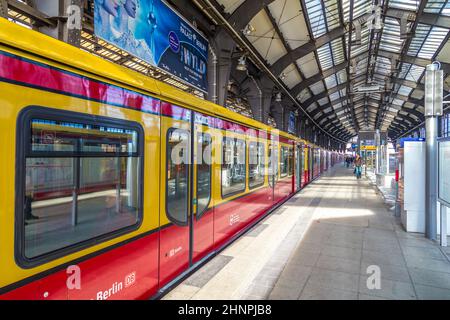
x=41, y=76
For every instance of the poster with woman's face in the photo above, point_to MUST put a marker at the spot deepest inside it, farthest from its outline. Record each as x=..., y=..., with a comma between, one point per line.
x=153, y=32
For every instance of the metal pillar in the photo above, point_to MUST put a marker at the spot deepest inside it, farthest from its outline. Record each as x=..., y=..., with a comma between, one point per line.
x=277, y=113
x=3, y=9
x=68, y=14
x=378, y=156
x=259, y=96
x=433, y=109
x=220, y=66
x=431, y=178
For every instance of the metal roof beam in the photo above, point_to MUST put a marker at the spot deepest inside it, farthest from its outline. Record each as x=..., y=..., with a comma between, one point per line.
x=433, y=19
x=317, y=77
x=31, y=12
x=324, y=94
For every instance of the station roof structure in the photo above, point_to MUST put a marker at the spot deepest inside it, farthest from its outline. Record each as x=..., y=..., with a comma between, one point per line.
x=376, y=81
x=344, y=67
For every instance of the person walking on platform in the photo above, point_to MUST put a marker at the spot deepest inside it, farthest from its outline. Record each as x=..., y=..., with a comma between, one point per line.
x=347, y=161
x=358, y=165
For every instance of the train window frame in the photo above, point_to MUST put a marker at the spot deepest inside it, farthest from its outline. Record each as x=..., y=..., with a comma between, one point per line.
x=231, y=194
x=189, y=176
x=263, y=157
x=23, y=138
x=199, y=215
x=291, y=161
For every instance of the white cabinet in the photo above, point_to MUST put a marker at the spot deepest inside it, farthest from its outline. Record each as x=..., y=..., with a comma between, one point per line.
x=413, y=190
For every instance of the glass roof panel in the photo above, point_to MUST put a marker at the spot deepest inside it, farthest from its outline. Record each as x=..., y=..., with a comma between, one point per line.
x=436, y=6
x=432, y=42
x=322, y=101
x=418, y=39
x=404, y=90
x=316, y=17
x=324, y=53
x=337, y=51
x=332, y=13
x=334, y=96
x=411, y=5
x=390, y=40
x=304, y=95
x=317, y=87
x=415, y=73
x=330, y=81
x=341, y=76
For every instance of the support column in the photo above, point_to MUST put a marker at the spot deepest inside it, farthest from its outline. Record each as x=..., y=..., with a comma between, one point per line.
x=259, y=96
x=3, y=9
x=277, y=111
x=219, y=67
x=68, y=14
x=433, y=109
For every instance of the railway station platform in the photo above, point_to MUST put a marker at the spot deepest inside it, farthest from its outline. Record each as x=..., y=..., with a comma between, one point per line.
x=325, y=243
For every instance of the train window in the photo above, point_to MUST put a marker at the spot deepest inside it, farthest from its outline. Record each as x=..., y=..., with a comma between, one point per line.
x=290, y=161
x=177, y=176
x=82, y=182
x=256, y=164
x=204, y=157
x=233, y=166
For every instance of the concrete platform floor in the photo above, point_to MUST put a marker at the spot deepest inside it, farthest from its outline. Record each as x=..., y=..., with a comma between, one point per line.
x=325, y=243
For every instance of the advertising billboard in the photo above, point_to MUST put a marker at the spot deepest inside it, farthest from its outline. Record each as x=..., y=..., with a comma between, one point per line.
x=155, y=33
x=291, y=125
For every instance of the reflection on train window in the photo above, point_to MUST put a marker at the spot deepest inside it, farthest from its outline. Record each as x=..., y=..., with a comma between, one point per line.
x=256, y=164
x=284, y=162
x=233, y=166
x=177, y=175
x=273, y=165
x=81, y=182
x=204, y=156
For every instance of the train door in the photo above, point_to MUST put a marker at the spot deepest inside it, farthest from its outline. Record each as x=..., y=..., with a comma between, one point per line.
x=202, y=219
x=273, y=168
x=298, y=167
x=186, y=219
x=304, y=170
x=175, y=202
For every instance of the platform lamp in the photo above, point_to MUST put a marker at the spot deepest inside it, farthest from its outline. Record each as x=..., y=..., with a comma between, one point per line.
x=278, y=97
x=242, y=64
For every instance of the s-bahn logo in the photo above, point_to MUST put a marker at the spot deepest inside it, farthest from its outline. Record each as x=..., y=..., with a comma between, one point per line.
x=234, y=218
x=130, y=279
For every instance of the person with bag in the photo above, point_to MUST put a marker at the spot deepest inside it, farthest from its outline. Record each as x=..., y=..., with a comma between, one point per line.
x=358, y=165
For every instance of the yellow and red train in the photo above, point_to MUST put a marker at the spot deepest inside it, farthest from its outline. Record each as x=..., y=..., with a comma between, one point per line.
x=114, y=185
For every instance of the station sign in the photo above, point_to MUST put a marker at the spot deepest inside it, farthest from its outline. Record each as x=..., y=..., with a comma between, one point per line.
x=153, y=32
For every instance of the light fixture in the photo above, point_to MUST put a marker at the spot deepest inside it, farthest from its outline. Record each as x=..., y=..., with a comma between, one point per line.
x=249, y=29
x=283, y=76
x=242, y=64
x=278, y=97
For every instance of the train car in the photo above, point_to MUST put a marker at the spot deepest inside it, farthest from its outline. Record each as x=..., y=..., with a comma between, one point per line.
x=115, y=185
